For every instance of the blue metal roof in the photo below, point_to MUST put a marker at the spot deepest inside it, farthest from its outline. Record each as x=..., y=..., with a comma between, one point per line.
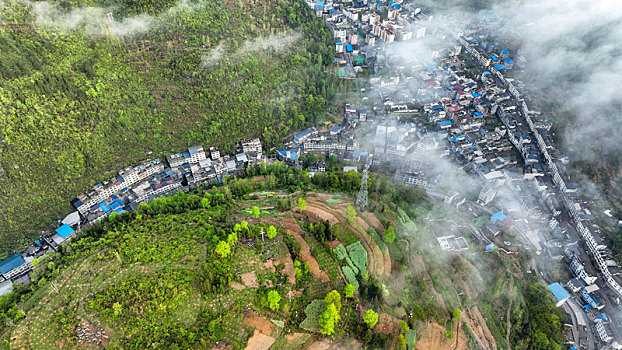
x=11, y=263
x=498, y=217
x=558, y=291
x=508, y=60
x=64, y=231
x=348, y=47
x=444, y=122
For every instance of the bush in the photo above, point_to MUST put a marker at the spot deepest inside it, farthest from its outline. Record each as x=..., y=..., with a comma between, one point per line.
x=351, y=277
x=340, y=252
x=359, y=257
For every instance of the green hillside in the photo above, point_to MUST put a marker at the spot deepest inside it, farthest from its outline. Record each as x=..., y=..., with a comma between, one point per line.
x=192, y=271
x=79, y=101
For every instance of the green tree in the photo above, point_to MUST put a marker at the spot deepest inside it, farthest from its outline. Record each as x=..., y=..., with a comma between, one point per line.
x=274, y=298
x=256, y=212
x=404, y=327
x=117, y=309
x=401, y=342
x=389, y=234
x=328, y=319
x=370, y=317
x=302, y=204
x=205, y=203
x=456, y=315
x=223, y=249
x=350, y=214
x=348, y=292
x=271, y=232
x=333, y=297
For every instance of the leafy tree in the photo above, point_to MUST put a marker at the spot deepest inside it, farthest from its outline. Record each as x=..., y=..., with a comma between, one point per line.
x=370, y=317
x=404, y=327
x=456, y=314
x=349, y=290
x=271, y=232
x=256, y=212
x=205, y=203
x=274, y=298
x=350, y=214
x=389, y=235
x=401, y=342
x=223, y=249
x=333, y=297
x=328, y=319
x=302, y=204
x=117, y=309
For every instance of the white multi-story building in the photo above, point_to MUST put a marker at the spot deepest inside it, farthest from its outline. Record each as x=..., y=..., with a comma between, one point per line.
x=251, y=146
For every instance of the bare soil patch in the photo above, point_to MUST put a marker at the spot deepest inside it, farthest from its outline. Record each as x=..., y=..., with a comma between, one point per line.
x=249, y=279
x=288, y=270
x=373, y=220
x=259, y=341
x=387, y=324
x=260, y=323
x=321, y=214
x=269, y=265
x=237, y=286
x=433, y=338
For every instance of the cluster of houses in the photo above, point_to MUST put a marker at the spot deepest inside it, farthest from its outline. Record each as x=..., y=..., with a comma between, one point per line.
x=358, y=24
x=131, y=186
x=528, y=131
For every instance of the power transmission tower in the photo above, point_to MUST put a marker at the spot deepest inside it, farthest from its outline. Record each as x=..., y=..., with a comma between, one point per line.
x=361, y=199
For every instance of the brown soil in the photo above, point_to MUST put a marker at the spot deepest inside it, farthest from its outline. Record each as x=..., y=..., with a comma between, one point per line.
x=237, y=286
x=433, y=338
x=260, y=323
x=291, y=227
x=323, y=344
x=321, y=214
x=289, y=268
x=373, y=220
x=259, y=341
x=387, y=324
x=249, y=279
x=475, y=322
x=269, y=265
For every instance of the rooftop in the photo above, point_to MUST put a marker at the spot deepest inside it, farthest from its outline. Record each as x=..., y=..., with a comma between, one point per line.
x=11, y=263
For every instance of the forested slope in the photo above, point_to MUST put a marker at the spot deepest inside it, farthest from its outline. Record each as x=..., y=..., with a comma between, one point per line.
x=89, y=86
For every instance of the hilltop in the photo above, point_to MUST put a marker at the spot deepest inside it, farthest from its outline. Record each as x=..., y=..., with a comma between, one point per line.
x=253, y=264
x=90, y=86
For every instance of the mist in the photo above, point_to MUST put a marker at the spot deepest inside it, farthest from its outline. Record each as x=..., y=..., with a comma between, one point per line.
x=574, y=55
x=94, y=21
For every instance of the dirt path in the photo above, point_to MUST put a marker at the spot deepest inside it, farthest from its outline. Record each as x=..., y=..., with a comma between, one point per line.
x=292, y=228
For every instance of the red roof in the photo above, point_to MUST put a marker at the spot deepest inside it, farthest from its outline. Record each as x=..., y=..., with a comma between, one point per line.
x=461, y=93
x=453, y=108
x=457, y=86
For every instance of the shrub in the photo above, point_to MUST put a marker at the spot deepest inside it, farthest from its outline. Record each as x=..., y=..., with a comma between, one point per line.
x=359, y=257
x=351, y=277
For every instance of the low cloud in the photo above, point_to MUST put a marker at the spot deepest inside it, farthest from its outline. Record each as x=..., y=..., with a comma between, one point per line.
x=96, y=21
